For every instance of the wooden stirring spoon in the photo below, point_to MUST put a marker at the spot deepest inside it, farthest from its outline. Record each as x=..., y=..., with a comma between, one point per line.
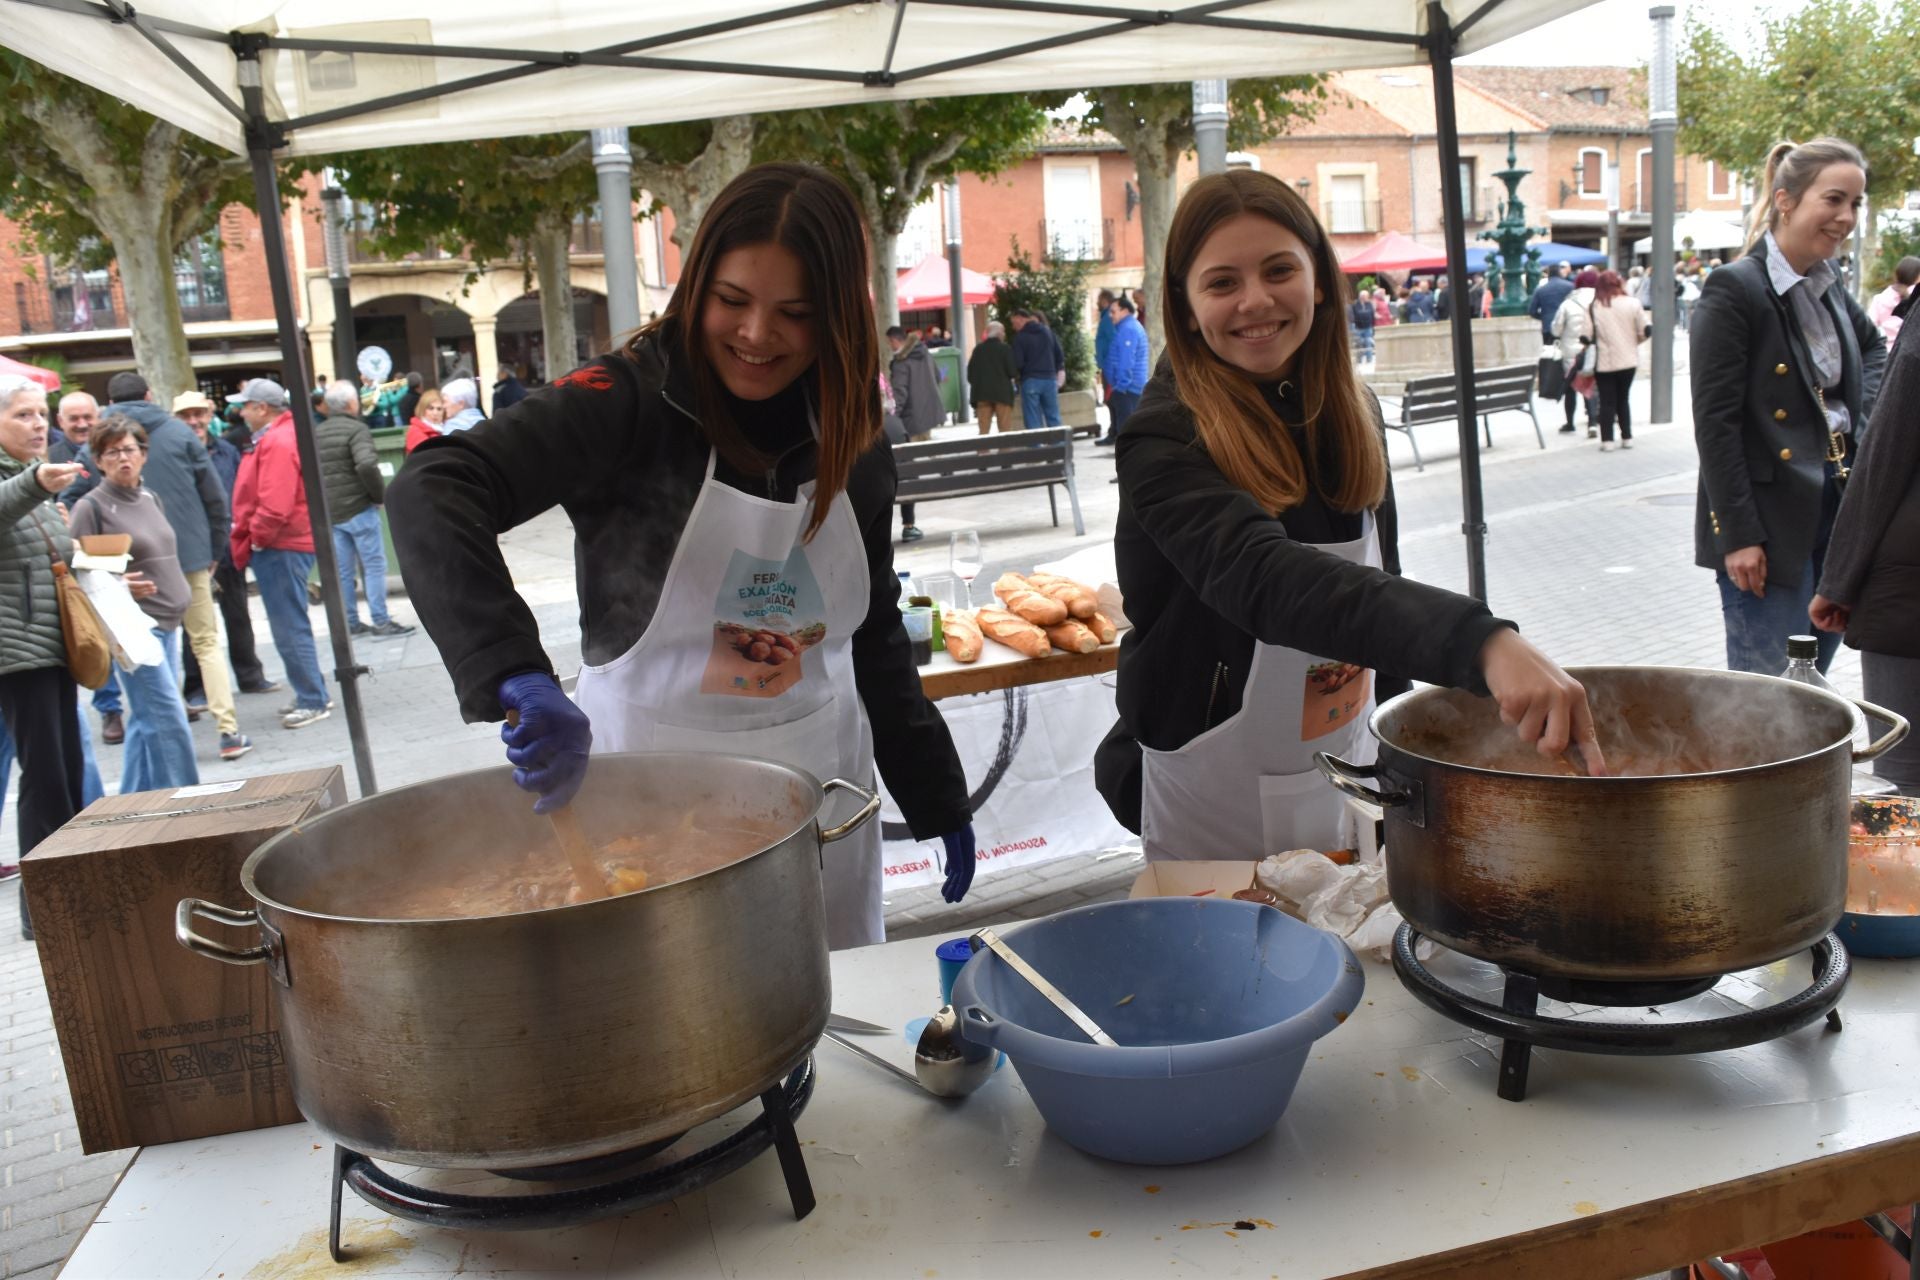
x=574, y=843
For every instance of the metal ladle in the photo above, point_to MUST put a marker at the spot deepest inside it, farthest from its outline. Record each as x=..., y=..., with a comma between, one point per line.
x=945, y=1063
x=1055, y=997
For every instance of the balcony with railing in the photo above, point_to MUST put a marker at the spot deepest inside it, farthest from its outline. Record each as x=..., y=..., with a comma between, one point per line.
x=1351, y=217
x=1078, y=239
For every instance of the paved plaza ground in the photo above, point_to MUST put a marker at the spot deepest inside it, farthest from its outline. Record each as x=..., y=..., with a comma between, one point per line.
x=1590, y=553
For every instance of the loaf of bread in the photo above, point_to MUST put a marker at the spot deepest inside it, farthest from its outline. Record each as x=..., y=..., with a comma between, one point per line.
x=1072, y=636
x=1080, y=600
x=1023, y=600
x=1013, y=631
x=962, y=636
x=1103, y=628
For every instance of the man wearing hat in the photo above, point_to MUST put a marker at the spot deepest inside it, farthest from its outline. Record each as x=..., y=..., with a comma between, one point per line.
x=179, y=473
x=273, y=532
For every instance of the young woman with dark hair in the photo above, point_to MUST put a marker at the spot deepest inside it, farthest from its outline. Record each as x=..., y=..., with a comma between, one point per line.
x=1257, y=556
x=1785, y=368
x=726, y=475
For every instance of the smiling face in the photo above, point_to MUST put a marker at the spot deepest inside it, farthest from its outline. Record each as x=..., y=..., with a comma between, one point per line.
x=1814, y=227
x=1252, y=294
x=78, y=412
x=23, y=425
x=756, y=323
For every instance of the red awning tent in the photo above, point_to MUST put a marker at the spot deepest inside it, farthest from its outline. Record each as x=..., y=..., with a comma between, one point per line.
x=929, y=286
x=47, y=378
x=1395, y=252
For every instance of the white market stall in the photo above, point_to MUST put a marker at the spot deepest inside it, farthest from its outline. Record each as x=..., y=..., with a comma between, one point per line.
x=304, y=77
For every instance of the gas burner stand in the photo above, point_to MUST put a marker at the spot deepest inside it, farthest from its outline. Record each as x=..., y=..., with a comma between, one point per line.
x=773, y=1127
x=1517, y=1021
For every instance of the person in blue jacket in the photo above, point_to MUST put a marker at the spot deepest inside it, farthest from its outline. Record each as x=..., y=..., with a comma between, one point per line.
x=1125, y=369
x=1102, y=331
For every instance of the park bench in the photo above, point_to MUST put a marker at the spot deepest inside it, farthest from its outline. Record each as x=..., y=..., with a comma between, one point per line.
x=1436, y=398
x=967, y=465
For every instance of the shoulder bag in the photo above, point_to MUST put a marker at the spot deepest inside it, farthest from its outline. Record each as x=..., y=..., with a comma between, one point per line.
x=1588, y=362
x=89, y=654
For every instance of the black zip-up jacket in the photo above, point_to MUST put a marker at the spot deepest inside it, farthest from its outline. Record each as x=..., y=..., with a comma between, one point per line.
x=617, y=445
x=1205, y=572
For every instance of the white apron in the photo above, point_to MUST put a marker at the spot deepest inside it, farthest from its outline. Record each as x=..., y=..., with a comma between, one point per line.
x=708, y=673
x=1247, y=788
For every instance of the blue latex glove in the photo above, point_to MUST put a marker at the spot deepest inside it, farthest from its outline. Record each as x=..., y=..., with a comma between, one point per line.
x=549, y=745
x=960, y=863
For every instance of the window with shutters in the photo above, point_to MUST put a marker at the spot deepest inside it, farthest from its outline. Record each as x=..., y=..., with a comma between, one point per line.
x=1593, y=169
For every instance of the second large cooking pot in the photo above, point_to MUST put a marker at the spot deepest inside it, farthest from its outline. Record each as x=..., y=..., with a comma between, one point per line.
x=546, y=1036
x=1727, y=852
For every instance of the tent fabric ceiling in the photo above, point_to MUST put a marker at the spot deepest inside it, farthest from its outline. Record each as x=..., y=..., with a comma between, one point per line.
x=718, y=57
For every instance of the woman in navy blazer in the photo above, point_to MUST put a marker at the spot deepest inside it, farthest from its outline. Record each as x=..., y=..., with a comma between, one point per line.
x=1785, y=369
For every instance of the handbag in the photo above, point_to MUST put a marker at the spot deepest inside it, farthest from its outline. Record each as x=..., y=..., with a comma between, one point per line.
x=1553, y=377
x=89, y=653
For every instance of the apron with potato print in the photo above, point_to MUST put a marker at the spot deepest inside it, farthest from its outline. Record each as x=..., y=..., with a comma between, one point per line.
x=750, y=652
x=1247, y=788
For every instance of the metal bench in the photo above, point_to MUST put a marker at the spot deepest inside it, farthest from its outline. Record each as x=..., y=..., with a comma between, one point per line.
x=967, y=465
x=1436, y=398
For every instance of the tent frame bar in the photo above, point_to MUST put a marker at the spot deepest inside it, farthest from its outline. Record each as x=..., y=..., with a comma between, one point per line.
x=124, y=14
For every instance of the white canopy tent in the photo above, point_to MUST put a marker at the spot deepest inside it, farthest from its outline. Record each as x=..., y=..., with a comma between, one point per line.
x=312, y=76
x=1704, y=229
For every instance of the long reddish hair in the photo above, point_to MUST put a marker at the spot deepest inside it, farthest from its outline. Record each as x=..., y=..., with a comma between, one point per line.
x=1610, y=287
x=811, y=214
x=1244, y=437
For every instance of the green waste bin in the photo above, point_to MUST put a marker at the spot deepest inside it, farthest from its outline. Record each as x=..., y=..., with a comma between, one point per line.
x=951, y=376
x=391, y=444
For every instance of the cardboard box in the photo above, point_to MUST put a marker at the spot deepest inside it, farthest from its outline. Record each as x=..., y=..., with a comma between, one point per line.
x=1192, y=879
x=161, y=1044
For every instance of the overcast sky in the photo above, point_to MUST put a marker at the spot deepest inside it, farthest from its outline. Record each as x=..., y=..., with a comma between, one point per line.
x=1626, y=30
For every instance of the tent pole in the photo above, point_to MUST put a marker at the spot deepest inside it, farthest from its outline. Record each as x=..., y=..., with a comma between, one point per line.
x=293, y=363
x=1472, y=503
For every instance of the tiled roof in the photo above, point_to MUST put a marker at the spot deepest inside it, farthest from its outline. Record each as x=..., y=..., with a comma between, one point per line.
x=1404, y=95
x=1561, y=96
x=1065, y=135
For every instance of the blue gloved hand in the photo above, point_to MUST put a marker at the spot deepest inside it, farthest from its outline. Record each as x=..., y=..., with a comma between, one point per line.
x=960, y=863
x=549, y=745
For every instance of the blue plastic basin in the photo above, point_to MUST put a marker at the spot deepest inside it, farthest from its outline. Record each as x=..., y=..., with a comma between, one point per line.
x=1215, y=1005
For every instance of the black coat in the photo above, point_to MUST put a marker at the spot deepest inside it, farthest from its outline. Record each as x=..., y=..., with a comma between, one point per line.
x=1756, y=415
x=646, y=455
x=1206, y=572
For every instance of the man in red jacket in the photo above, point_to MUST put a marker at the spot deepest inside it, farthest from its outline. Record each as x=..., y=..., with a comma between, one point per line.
x=272, y=532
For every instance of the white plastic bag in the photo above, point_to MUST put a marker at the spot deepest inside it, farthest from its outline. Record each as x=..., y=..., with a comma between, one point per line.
x=130, y=630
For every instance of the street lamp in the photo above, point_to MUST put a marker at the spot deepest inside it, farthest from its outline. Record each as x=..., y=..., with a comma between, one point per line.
x=334, y=207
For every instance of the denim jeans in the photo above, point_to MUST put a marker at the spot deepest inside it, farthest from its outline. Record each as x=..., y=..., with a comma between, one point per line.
x=159, y=748
x=106, y=698
x=1120, y=405
x=1758, y=626
x=1362, y=341
x=282, y=576
x=358, y=540
x=1040, y=401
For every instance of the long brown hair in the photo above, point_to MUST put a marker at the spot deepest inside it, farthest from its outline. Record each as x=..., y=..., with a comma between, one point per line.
x=1242, y=435
x=1791, y=167
x=809, y=213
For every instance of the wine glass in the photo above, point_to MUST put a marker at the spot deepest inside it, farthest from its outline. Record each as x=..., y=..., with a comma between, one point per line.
x=963, y=556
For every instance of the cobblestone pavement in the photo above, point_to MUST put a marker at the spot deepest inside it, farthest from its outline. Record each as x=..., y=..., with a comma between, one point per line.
x=1590, y=553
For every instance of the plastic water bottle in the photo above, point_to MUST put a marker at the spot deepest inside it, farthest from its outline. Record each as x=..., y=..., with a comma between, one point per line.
x=908, y=588
x=1802, y=653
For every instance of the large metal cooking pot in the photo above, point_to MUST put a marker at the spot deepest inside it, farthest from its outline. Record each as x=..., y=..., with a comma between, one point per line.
x=547, y=1036
x=1668, y=876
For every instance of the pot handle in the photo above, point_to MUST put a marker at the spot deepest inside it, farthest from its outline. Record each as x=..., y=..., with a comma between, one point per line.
x=1346, y=777
x=1880, y=746
x=183, y=932
x=872, y=806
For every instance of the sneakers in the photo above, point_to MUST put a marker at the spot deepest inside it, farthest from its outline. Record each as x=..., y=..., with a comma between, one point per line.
x=301, y=717
x=8, y=870
x=1606, y=446
x=358, y=628
x=911, y=533
x=234, y=745
x=113, y=728
x=1567, y=430
x=195, y=710
x=1105, y=442
x=391, y=627
x=265, y=686
x=1593, y=432
x=1626, y=442
x=292, y=707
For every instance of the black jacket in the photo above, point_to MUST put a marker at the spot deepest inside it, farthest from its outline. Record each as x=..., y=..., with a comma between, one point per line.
x=1756, y=415
x=615, y=444
x=1205, y=572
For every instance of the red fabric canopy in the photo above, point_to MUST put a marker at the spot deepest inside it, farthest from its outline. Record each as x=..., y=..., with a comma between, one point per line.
x=45, y=377
x=1395, y=252
x=929, y=286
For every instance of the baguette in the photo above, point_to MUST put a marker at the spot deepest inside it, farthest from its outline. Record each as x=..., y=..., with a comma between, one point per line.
x=962, y=635
x=1029, y=604
x=1073, y=636
x=1103, y=627
x=1013, y=631
x=1080, y=602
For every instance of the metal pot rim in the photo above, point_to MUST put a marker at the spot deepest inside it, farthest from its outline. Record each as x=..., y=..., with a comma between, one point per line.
x=1374, y=722
x=250, y=883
